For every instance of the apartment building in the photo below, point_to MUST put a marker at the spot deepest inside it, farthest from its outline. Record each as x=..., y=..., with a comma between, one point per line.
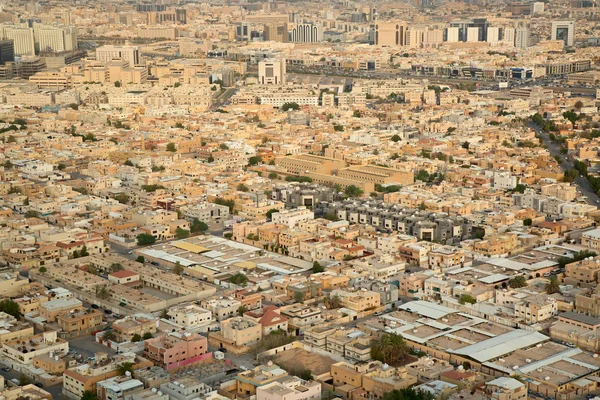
x=176, y=349
x=79, y=322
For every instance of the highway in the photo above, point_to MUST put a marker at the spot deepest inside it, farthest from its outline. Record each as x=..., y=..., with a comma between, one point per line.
x=554, y=148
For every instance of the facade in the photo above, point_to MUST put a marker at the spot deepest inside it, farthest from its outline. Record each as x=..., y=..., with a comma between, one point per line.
x=190, y=316
x=289, y=388
x=563, y=31
x=176, y=349
x=107, y=53
x=306, y=33
x=271, y=71
x=389, y=34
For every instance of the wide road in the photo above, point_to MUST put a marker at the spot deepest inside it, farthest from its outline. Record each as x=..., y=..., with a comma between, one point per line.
x=554, y=148
x=439, y=80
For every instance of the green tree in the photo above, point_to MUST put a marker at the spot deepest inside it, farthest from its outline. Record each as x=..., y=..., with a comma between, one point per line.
x=102, y=292
x=181, y=233
x=389, y=348
x=43, y=270
x=171, y=147
x=239, y=279
x=299, y=297
x=270, y=213
x=140, y=259
x=408, y=394
x=210, y=159
x=128, y=163
x=115, y=267
x=241, y=310
x=179, y=125
x=466, y=298
x=353, y=191
x=396, y=138
x=517, y=282
x=198, y=226
x=89, y=395
x=145, y=239
x=84, y=252
x=24, y=380
x=305, y=374
x=10, y=307
x=223, y=146
x=422, y=175
x=316, y=268
x=61, y=167
x=122, y=198
x=117, y=84
x=527, y=221
x=147, y=335
x=242, y=188
x=178, y=268
x=254, y=160
x=333, y=302
x=553, y=286
x=273, y=175
x=357, y=114
x=519, y=188
x=125, y=367
x=570, y=175
x=290, y=106
x=136, y=338
x=109, y=336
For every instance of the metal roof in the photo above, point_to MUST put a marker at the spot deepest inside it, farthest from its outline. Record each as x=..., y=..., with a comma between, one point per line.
x=501, y=345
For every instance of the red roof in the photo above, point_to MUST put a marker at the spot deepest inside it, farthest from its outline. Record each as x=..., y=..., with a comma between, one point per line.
x=271, y=317
x=123, y=274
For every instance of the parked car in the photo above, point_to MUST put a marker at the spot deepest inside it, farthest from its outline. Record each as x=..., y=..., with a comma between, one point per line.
x=95, y=306
x=6, y=369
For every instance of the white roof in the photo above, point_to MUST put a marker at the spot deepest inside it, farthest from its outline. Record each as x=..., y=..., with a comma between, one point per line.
x=493, y=278
x=505, y=382
x=500, y=345
x=594, y=233
x=427, y=309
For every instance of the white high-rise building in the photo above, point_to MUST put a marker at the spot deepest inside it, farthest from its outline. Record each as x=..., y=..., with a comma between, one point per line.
x=108, y=53
x=306, y=33
x=23, y=39
x=416, y=37
x=473, y=34
x=537, y=7
x=493, y=34
x=508, y=36
x=564, y=31
x=452, y=34
x=271, y=71
x=522, y=37
x=55, y=38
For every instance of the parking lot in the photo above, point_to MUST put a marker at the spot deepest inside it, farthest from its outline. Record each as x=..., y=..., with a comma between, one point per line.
x=87, y=346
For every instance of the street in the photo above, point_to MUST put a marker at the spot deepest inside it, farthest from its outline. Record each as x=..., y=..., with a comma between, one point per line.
x=554, y=149
x=55, y=391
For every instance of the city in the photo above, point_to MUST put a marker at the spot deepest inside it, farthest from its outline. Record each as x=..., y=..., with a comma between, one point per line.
x=300, y=200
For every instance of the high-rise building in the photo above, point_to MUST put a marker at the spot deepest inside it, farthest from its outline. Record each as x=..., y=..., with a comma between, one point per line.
x=508, y=36
x=54, y=39
x=537, y=7
x=7, y=51
x=473, y=34
x=22, y=38
x=271, y=71
x=389, y=33
x=522, y=37
x=453, y=34
x=242, y=31
x=306, y=33
x=415, y=36
x=493, y=34
x=564, y=31
x=108, y=53
x=276, y=33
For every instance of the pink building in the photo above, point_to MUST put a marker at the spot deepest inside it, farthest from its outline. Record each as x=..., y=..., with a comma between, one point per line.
x=176, y=349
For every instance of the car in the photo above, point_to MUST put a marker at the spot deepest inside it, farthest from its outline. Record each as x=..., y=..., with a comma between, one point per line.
x=222, y=349
x=108, y=312
x=6, y=369
x=95, y=306
x=39, y=384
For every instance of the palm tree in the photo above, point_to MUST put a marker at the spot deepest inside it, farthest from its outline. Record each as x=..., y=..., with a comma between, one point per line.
x=109, y=335
x=389, y=348
x=242, y=309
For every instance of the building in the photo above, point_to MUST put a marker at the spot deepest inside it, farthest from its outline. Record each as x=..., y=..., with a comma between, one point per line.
x=12, y=329
x=289, y=388
x=271, y=71
x=389, y=34
x=276, y=32
x=118, y=388
x=241, y=331
x=51, y=38
x=247, y=382
x=505, y=388
x=187, y=388
x=109, y=53
x=563, y=31
x=79, y=322
x=190, y=316
x=36, y=345
x=175, y=349
x=306, y=33
x=7, y=51
x=591, y=239
x=522, y=37
x=292, y=217
x=22, y=38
